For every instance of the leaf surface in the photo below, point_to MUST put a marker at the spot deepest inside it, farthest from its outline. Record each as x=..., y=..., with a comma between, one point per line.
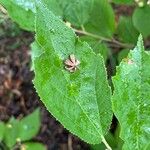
x=126, y=30
x=79, y=100
x=11, y=132
x=131, y=98
x=77, y=12
x=102, y=19
x=29, y=126
x=141, y=20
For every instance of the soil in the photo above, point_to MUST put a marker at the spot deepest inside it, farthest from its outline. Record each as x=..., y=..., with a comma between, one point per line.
x=17, y=94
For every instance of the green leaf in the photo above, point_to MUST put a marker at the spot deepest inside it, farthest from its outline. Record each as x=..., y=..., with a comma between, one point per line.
x=77, y=12
x=11, y=132
x=22, y=130
x=141, y=20
x=79, y=100
x=33, y=146
x=131, y=98
x=21, y=11
x=129, y=2
x=98, y=46
x=126, y=31
x=29, y=126
x=102, y=19
x=2, y=130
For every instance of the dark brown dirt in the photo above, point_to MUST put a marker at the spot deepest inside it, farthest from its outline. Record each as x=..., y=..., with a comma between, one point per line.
x=17, y=94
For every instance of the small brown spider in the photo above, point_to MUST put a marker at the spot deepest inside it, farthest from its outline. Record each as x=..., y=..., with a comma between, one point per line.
x=72, y=63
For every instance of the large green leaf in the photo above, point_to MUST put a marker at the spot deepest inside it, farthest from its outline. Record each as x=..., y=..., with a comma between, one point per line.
x=79, y=100
x=21, y=11
x=102, y=20
x=29, y=126
x=78, y=11
x=126, y=31
x=131, y=98
x=141, y=20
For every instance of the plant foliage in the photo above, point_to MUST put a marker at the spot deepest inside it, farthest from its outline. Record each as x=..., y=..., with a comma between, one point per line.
x=83, y=96
x=81, y=100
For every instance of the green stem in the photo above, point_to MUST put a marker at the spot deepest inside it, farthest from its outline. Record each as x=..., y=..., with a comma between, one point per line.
x=124, y=45
x=105, y=143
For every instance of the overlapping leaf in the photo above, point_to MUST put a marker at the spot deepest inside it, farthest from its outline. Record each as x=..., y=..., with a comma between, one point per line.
x=79, y=100
x=131, y=99
x=126, y=31
x=141, y=20
x=102, y=19
x=78, y=11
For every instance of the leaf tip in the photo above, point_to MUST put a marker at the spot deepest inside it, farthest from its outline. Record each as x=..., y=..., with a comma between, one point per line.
x=140, y=44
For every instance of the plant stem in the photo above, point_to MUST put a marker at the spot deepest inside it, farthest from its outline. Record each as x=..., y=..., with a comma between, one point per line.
x=124, y=45
x=105, y=143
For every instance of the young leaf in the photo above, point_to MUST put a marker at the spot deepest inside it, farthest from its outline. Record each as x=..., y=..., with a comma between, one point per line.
x=141, y=20
x=126, y=31
x=102, y=19
x=21, y=12
x=33, y=146
x=22, y=130
x=79, y=100
x=77, y=12
x=29, y=126
x=131, y=98
x=2, y=130
x=11, y=132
